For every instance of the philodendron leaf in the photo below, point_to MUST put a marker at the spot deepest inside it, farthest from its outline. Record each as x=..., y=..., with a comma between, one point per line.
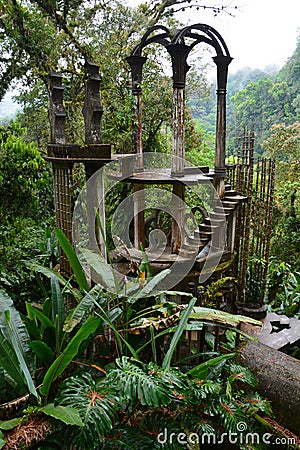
x=68, y=415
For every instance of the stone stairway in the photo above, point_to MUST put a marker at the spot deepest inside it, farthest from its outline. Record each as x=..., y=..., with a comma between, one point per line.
x=220, y=215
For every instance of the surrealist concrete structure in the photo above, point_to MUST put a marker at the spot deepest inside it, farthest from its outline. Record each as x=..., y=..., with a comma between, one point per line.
x=228, y=224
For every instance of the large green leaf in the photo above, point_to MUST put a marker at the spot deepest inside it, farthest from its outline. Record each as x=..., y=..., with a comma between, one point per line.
x=18, y=349
x=42, y=351
x=102, y=268
x=97, y=405
x=73, y=259
x=113, y=314
x=34, y=313
x=58, y=311
x=151, y=286
x=177, y=335
x=49, y=273
x=64, y=359
x=68, y=415
x=136, y=384
x=84, y=307
x=10, y=424
x=221, y=317
x=9, y=362
x=200, y=371
x=18, y=328
x=2, y=440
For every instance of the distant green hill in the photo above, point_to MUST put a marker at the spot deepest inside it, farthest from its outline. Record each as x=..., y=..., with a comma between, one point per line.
x=257, y=99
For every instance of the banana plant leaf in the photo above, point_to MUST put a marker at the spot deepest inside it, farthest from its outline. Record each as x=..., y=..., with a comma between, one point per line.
x=151, y=286
x=35, y=314
x=73, y=259
x=200, y=371
x=16, y=357
x=18, y=350
x=102, y=268
x=71, y=350
x=83, y=308
x=58, y=311
x=166, y=364
x=221, y=317
x=18, y=327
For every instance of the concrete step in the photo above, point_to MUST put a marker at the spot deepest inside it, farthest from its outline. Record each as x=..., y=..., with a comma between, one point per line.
x=217, y=215
x=230, y=193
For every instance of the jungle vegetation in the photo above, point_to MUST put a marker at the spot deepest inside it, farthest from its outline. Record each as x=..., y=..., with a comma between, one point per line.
x=134, y=384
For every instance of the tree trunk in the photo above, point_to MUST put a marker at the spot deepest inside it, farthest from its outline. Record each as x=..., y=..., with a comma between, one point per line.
x=279, y=380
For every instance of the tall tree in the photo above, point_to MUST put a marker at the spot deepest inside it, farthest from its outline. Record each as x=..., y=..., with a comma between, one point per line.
x=41, y=35
x=61, y=36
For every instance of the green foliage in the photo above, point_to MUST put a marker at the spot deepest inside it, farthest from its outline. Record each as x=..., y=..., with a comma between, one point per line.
x=24, y=185
x=96, y=406
x=284, y=289
x=71, y=350
x=17, y=359
x=66, y=414
x=284, y=145
x=285, y=243
x=136, y=385
x=22, y=172
x=179, y=330
x=73, y=259
x=141, y=400
x=262, y=99
x=20, y=241
x=212, y=294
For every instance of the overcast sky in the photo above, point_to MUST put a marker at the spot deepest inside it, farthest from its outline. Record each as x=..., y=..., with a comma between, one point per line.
x=261, y=33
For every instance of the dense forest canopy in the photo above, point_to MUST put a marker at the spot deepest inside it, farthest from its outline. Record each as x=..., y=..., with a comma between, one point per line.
x=39, y=37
